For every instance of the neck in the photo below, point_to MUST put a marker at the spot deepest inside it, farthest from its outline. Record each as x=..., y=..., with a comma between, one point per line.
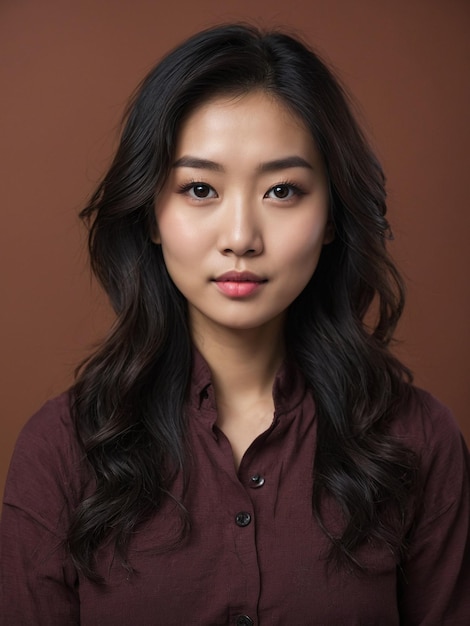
x=243, y=363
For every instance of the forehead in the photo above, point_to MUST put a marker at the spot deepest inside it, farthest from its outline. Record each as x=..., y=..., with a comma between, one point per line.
x=256, y=118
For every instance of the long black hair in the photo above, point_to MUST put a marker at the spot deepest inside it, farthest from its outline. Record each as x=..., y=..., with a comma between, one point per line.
x=128, y=401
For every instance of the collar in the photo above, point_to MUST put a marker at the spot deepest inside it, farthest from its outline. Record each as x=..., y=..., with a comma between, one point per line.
x=289, y=386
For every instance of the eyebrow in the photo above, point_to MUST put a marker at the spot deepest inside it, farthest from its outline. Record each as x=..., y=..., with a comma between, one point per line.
x=269, y=166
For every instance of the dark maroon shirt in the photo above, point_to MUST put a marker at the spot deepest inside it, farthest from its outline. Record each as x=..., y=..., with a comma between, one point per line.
x=255, y=554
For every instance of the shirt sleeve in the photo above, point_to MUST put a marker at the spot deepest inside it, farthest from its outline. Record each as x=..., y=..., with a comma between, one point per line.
x=435, y=578
x=38, y=583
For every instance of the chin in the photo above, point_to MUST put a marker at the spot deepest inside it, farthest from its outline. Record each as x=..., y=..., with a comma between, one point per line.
x=251, y=324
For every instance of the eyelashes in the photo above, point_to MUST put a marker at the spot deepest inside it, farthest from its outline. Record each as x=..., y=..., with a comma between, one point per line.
x=198, y=190
x=283, y=191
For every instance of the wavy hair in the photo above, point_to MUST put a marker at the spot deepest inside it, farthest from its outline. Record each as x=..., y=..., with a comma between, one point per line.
x=129, y=396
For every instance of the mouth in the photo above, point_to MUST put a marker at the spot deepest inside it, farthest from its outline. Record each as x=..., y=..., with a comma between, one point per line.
x=239, y=284
x=240, y=277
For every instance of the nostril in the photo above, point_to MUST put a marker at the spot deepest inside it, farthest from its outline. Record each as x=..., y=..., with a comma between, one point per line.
x=250, y=251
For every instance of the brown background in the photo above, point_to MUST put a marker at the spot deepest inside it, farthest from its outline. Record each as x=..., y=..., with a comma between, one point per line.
x=66, y=70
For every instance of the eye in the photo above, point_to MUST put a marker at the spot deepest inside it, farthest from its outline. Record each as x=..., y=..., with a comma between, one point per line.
x=284, y=191
x=198, y=191
x=202, y=191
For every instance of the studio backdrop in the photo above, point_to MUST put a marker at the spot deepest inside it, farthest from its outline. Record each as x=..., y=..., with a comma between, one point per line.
x=66, y=71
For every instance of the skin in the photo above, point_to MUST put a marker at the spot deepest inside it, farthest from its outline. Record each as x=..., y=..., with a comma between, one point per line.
x=247, y=193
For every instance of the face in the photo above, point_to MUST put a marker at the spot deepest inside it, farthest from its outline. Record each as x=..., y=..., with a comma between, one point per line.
x=243, y=216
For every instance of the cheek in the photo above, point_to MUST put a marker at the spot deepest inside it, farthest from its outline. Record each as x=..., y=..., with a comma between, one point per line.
x=302, y=246
x=178, y=237
x=300, y=263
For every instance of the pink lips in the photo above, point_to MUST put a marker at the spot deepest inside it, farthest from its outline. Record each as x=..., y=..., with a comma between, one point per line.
x=239, y=284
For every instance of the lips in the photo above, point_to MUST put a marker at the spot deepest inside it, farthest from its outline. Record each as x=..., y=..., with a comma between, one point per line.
x=239, y=284
x=240, y=277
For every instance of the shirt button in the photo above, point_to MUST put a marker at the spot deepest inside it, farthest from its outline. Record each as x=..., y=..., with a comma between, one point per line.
x=256, y=481
x=244, y=620
x=243, y=519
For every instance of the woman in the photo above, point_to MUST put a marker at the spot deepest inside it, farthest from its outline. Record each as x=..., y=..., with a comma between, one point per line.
x=242, y=448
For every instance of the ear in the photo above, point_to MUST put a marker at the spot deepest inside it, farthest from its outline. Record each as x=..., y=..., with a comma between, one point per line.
x=329, y=233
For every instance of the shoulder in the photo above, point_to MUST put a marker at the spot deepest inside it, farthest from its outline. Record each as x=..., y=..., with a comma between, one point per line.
x=49, y=431
x=428, y=428
x=424, y=422
x=53, y=418
x=47, y=464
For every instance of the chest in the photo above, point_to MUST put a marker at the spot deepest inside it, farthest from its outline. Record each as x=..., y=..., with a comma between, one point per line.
x=253, y=551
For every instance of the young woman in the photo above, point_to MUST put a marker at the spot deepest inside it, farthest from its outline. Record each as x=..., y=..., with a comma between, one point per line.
x=243, y=448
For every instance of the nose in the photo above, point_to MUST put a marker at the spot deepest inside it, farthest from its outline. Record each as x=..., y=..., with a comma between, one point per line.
x=240, y=230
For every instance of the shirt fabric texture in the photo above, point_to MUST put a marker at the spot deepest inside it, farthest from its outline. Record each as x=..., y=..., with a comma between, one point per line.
x=255, y=554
